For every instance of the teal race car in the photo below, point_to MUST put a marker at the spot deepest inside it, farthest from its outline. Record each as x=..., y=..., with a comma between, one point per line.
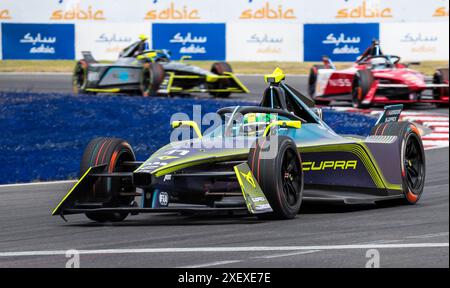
x=151, y=73
x=263, y=160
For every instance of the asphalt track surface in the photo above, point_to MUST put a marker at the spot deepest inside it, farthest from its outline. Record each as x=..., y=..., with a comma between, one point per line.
x=321, y=235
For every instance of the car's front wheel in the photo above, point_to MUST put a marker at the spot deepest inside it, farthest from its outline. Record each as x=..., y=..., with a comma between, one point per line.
x=277, y=166
x=110, y=152
x=152, y=76
x=220, y=68
x=362, y=82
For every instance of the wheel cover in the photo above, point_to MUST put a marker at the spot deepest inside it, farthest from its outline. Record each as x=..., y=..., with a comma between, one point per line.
x=291, y=178
x=146, y=79
x=79, y=78
x=414, y=165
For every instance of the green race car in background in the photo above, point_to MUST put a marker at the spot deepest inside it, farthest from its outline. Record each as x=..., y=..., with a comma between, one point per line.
x=264, y=160
x=150, y=73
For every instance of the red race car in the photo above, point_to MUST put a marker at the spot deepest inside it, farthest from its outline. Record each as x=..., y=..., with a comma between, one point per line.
x=377, y=79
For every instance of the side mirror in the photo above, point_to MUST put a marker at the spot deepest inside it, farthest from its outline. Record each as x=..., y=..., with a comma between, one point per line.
x=318, y=111
x=186, y=57
x=283, y=124
x=192, y=124
x=413, y=64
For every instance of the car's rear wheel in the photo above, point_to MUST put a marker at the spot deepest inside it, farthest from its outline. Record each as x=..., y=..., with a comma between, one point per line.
x=413, y=169
x=277, y=166
x=152, y=76
x=220, y=68
x=312, y=79
x=110, y=152
x=440, y=77
x=80, y=77
x=362, y=82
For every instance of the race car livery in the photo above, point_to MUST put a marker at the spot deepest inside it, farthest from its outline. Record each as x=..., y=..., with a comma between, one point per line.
x=263, y=160
x=377, y=79
x=151, y=72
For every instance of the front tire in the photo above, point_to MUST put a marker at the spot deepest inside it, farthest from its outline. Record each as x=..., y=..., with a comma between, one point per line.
x=280, y=177
x=312, y=79
x=152, y=76
x=110, y=152
x=362, y=82
x=220, y=68
x=413, y=168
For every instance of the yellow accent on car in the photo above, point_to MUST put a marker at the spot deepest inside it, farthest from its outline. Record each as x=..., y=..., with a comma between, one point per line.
x=276, y=77
x=100, y=90
x=192, y=124
x=284, y=124
x=57, y=209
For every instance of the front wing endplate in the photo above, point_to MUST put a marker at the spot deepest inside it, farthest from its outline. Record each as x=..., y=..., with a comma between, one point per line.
x=255, y=199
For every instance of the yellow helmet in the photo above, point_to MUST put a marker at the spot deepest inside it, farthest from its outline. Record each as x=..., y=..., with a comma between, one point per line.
x=143, y=37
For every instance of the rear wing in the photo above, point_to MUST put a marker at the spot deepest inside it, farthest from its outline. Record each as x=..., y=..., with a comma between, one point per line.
x=391, y=114
x=87, y=56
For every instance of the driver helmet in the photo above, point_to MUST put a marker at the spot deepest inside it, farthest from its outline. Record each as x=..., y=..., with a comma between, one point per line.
x=256, y=123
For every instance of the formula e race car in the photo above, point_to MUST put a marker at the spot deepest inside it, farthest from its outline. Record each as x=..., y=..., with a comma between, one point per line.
x=153, y=73
x=377, y=79
x=263, y=160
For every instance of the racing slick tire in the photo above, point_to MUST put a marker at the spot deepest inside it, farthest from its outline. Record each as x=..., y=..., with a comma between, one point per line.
x=80, y=77
x=110, y=152
x=219, y=68
x=280, y=177
x=440, y=77
x=152, y=76
x=362, y=82
x=312, y=79
x=413, y=168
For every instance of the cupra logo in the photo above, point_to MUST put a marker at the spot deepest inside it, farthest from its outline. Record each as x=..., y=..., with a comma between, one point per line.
x=4, y=14
x=249, y=178
x=172, y=12
x=268, y=11
x=368, y=9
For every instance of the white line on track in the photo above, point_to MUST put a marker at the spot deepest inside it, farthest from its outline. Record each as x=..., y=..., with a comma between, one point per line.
x=226, y=249
x=211, y=264
x=286, y=254
x=37, y=183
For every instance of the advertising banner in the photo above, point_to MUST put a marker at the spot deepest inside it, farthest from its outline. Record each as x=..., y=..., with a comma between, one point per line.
x=200, y=41
x=218, y=11
x=107, y=40
x=371, y=11
x=416, y=41
x=262, y=42
x=38, y=41
x=341, y=42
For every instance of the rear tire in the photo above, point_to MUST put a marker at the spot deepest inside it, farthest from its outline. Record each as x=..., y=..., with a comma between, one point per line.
x=413, y=169
x=220, y=68
x=152, y=76
x=312, y=79
x=80, y=77
x=110, y=152
x=362, y=82
x=440, y=77
x=280, y=178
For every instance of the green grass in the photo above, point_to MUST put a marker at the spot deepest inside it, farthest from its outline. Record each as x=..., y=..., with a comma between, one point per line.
x=426, y=67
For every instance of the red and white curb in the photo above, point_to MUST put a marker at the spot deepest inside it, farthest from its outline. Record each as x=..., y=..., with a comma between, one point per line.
x=437, y=123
